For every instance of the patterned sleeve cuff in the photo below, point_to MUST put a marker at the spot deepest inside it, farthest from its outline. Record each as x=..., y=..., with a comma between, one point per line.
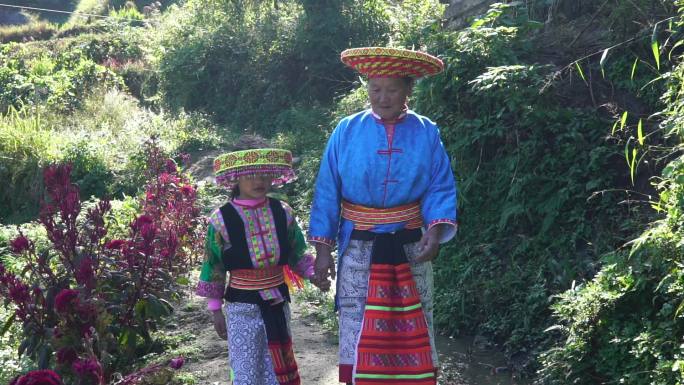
x=449, y=230
x=210, y=289
x=323, y=240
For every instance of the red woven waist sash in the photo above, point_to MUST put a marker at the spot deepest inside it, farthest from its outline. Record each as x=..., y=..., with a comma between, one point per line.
x=365, y=218
x=257, y=279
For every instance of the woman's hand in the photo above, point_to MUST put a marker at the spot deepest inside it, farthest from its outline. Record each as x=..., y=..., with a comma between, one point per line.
x=220, y=324
x=429, y=244
x=324, y=267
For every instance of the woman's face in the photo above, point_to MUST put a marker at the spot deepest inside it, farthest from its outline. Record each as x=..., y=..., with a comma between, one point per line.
x=254, y=187
x=388, y=96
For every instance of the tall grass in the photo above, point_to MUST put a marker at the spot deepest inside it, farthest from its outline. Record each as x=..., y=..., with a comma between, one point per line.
x=26, y=143
x=35, y=30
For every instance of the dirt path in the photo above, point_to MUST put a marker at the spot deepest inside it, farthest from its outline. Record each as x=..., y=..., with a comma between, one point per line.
x=315, y=350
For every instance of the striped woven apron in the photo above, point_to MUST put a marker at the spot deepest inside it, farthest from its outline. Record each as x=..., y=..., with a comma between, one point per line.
x=394, y=342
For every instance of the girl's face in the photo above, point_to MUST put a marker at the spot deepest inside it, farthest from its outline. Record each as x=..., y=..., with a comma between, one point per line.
x=254, y=187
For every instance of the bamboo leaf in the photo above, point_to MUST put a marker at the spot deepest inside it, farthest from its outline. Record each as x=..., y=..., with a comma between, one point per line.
x=612, y=132
x=632, y=167
x=579, y=70
x=640, y=132
x=679, y=309
x=629, y=164
x=634, y=67
x=655, y=46
x=675, y=46
x=656, y=53
x=603, y=61
x=623, y=120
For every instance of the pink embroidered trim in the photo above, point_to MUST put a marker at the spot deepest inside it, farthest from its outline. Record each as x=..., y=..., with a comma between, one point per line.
x=250, y=202
x=323, y=240
x=210, y=289
x=438, y=221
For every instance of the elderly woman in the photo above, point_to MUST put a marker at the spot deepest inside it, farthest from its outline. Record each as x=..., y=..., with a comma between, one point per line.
x=386, y=192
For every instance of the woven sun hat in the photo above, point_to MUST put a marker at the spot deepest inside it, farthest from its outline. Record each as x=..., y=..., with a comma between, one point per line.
x=271, y=162
x=376, y=62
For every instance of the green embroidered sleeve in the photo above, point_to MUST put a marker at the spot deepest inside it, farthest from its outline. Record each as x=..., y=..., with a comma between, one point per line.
x=300, y=261
x=212, y=281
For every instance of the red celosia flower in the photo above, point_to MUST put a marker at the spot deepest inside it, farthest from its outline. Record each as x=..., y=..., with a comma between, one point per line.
x=20, y=244
x=19, y=292
x=115, y=244
x=66, y=356
x=57, y=175
x=88, y=367
x=141, y=221
x=166, y=178
x=84, y=274
x=148, y=232
x=171, y=166
x=38, y=377
x=187, y=190
x=86, y=310
x=65, y=300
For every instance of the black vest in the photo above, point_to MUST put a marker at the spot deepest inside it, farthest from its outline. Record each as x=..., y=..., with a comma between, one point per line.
x=237, y=256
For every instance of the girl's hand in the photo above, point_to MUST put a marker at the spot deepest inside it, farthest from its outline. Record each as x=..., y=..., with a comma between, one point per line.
x=220, y=324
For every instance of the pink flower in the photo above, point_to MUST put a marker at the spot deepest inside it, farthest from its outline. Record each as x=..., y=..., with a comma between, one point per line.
x=20, y=244
x=38, y=377
x=177, y=363
x=185, y=158
x=65, y=300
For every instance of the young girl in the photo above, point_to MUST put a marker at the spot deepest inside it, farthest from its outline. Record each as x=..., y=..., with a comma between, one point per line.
x=256, y=240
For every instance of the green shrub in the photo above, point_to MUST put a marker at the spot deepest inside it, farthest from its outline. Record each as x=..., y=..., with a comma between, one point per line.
x=265, y=61
x=540, y=183
x=60, y=81
x=625, y=325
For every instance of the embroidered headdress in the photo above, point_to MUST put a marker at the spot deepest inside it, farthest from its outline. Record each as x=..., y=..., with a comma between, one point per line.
x=378, y=62
x=271, y=162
